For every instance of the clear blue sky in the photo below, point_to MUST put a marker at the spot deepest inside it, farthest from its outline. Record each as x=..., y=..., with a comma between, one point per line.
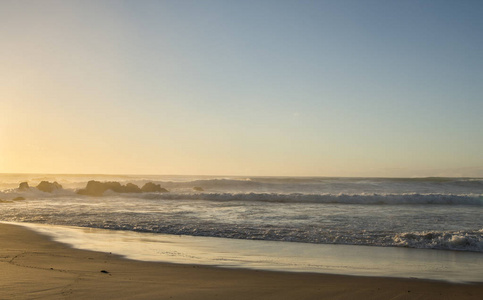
x=330, y=88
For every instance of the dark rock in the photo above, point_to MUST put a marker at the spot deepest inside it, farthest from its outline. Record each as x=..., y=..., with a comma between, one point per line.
x=23, y=186
x=153, y=188
x=18, y=198
x=48, y=187
x=198, y=188
x=131, y=188
x=97, y=188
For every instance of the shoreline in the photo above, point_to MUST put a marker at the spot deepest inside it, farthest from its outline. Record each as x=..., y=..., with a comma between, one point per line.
x=34, y=266
x=351, y=260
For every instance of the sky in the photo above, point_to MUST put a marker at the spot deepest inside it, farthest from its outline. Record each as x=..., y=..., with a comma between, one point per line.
x=268, y=88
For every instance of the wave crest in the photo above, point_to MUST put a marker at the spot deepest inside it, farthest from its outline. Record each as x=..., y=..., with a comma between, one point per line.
x=390, y=199
x=469, y=241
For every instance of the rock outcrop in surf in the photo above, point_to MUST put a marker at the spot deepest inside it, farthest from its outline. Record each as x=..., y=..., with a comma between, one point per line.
x=97, y=188
x=130, y=188
x=153, y=188
x=48, y=187
x=23, y=186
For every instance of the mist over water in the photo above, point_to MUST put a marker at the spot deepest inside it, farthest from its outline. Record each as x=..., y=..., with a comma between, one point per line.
x=433, y=213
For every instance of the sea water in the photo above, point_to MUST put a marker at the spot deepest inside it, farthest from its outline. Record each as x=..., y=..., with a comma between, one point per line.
x=441, y=214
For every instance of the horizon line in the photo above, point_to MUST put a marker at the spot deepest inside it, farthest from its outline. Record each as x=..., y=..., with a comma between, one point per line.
x=225, y=175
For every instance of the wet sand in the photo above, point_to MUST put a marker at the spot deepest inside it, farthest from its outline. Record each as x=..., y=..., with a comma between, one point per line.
x=33, y=267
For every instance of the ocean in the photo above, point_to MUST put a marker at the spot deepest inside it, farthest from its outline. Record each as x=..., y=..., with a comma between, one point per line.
x=440, y=214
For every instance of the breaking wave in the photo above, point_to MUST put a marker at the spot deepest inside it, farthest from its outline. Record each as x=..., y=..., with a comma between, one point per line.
x=456, y=241
x=460, y=240
x=370, y=199
x=391, y=199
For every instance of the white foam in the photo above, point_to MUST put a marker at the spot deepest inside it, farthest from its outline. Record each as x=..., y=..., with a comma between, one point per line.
x=459, y=240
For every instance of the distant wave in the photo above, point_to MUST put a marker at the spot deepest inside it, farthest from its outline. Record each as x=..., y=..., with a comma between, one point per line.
x=316, y=185
x=34, y=193
x=363, y=199
x=283, y=185
x=393, y=199
x=256, y=181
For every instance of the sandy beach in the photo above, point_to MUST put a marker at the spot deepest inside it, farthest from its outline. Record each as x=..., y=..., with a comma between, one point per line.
x=33, y=267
